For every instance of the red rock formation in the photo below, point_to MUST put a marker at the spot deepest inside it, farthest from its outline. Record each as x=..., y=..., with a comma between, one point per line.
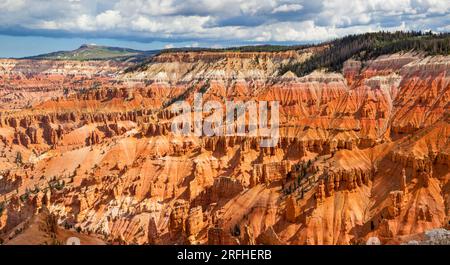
x=364, y=153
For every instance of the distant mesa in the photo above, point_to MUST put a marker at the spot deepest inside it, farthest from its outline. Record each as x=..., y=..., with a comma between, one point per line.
x=97, y=52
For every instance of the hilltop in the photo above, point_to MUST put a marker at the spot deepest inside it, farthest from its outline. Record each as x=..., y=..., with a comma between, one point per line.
x=95, y=52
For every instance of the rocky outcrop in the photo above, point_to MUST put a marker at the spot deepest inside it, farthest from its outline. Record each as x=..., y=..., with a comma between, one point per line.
x=193, y=66
x=59, y=67
x=361, y=154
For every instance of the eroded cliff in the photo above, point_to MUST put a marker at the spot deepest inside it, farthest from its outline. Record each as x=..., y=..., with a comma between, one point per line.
x=363, y=153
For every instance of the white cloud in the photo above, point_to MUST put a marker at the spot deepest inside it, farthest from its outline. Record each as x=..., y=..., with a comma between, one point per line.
x=12, y=5
x=211, y=21
x=287, y=8
x=144, y=24
x=444, y=28
x=109, y=19
x=85, y=22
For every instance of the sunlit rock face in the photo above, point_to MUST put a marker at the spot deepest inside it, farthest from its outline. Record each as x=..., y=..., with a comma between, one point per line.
x=363, y=153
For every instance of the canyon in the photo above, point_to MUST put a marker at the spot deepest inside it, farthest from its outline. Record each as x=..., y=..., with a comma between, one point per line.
x=86, y=150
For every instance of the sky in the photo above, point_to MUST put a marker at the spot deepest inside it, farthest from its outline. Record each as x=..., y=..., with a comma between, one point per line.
x=31, y=27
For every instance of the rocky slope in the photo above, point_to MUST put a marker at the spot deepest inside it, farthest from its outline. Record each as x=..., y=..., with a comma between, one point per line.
x=25, y=83
x=59, y=67
x=361, y=154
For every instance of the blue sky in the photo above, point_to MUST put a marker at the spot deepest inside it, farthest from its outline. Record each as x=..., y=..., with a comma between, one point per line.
x=30, y=27
x=21, y=46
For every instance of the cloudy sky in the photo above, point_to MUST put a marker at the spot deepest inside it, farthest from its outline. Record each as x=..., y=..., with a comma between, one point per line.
x=29, y=27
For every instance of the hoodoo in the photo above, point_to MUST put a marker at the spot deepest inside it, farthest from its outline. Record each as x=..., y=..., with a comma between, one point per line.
x=87, y=147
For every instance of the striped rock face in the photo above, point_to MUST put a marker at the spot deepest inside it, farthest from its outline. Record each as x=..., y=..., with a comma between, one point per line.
x=362, y=154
